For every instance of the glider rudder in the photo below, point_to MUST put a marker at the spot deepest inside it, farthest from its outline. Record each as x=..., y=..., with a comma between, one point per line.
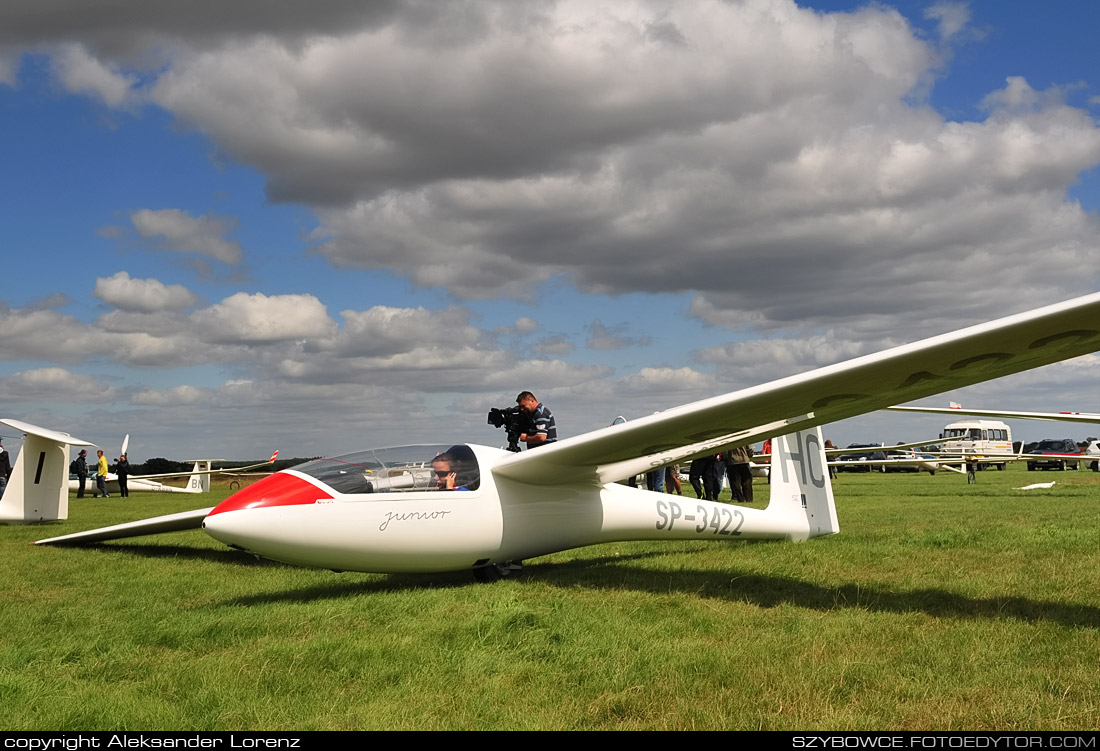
x=800, y=486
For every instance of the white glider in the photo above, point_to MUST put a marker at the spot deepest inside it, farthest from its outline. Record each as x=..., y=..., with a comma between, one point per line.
x=376, y=510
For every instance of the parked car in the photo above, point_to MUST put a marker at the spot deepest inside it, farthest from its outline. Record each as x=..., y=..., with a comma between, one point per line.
x=1092, y=451
x=1054, y=446
x=862, y=452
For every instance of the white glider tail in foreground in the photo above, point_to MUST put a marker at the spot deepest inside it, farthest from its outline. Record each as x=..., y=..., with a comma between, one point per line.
x=377, y=510
x=39, y=487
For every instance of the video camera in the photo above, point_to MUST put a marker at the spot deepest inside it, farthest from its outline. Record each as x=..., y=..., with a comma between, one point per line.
x=513, y=419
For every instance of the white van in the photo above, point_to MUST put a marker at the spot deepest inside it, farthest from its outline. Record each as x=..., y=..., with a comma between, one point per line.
x=985, y=438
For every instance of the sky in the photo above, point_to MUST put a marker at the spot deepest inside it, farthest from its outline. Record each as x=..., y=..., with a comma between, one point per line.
x=229, y=228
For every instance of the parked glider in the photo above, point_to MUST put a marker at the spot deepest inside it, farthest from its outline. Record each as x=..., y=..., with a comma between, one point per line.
x=1086, y=417
x=377, y=511
x=198, y=479
x=999, y=459
x=916, y=460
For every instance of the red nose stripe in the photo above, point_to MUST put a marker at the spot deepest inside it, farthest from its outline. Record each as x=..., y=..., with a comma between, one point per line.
x=280, y=489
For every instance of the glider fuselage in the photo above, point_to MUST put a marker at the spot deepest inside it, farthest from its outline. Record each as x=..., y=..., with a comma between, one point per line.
x=297, y=518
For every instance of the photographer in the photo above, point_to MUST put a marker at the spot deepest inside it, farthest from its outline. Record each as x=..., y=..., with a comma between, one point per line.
x=543, y=428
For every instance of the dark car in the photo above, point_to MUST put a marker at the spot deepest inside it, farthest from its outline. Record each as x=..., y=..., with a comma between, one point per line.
x=862, y=452
x=1054, y=446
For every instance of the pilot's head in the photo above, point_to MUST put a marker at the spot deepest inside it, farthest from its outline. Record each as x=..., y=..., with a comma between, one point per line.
x=527, y=401
x=443, y=469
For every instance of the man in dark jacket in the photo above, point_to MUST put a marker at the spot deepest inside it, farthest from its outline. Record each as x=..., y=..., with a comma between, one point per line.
x=122, y=469
x=739, y=473
x=5, y=468
x=81, y=472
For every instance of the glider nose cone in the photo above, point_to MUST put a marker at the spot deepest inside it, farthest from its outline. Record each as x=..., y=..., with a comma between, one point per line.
x=279, y=489
x=252, y=514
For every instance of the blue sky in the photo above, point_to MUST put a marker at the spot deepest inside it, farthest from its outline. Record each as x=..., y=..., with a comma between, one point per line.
x=228, y=231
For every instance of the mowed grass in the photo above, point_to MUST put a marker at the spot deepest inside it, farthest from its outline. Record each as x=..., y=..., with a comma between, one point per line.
x=941, y=605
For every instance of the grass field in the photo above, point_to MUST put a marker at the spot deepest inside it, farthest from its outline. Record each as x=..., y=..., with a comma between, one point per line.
x=941, y=605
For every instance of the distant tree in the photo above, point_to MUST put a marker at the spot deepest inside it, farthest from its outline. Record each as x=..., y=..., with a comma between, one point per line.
x=158, y=466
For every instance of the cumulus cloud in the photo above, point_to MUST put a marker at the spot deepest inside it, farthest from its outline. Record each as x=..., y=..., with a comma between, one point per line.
x=706, y=147
x=179, y=231
x=555, y=345
x=82, y=73
x=50, y=302
x=142, y=295
x=746, y=363
x=610, y=337
x=258, y=318
x=525, y=325
x=54, y=385
x=951, y=18
x=384, y=330
x=171, y=397
x=45, y=335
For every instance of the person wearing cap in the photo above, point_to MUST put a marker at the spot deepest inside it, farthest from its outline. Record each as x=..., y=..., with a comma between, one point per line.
x=122, y=470
x=543, y=428
x=81, y=472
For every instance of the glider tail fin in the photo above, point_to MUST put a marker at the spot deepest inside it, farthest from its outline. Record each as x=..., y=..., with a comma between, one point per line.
x=38, y=490
x=800, y=486
x=199, y=483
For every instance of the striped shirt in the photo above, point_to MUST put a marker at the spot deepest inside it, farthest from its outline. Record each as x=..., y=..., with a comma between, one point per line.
x=543, y=421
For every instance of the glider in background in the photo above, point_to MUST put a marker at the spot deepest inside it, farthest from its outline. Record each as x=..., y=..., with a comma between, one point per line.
x=982, y=454
x=956, y=409
x=393, y=510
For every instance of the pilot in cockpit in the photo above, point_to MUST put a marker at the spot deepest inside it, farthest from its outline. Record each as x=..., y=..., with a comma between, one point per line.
x=455, y=469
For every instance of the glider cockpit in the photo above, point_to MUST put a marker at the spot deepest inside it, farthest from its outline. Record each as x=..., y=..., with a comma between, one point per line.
x=399, y=469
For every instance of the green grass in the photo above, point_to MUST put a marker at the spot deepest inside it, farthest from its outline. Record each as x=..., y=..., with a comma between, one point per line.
x=941, y=605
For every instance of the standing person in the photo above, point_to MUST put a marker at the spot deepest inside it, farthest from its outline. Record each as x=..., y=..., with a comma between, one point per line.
x=695, y=476
x=543, y=429
x=5, y=468
x=739, y=472
x=672, y=480
x=713, y=471
x=81, y=472
x=101, y=475
x=829, y=459
x=122, y=468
